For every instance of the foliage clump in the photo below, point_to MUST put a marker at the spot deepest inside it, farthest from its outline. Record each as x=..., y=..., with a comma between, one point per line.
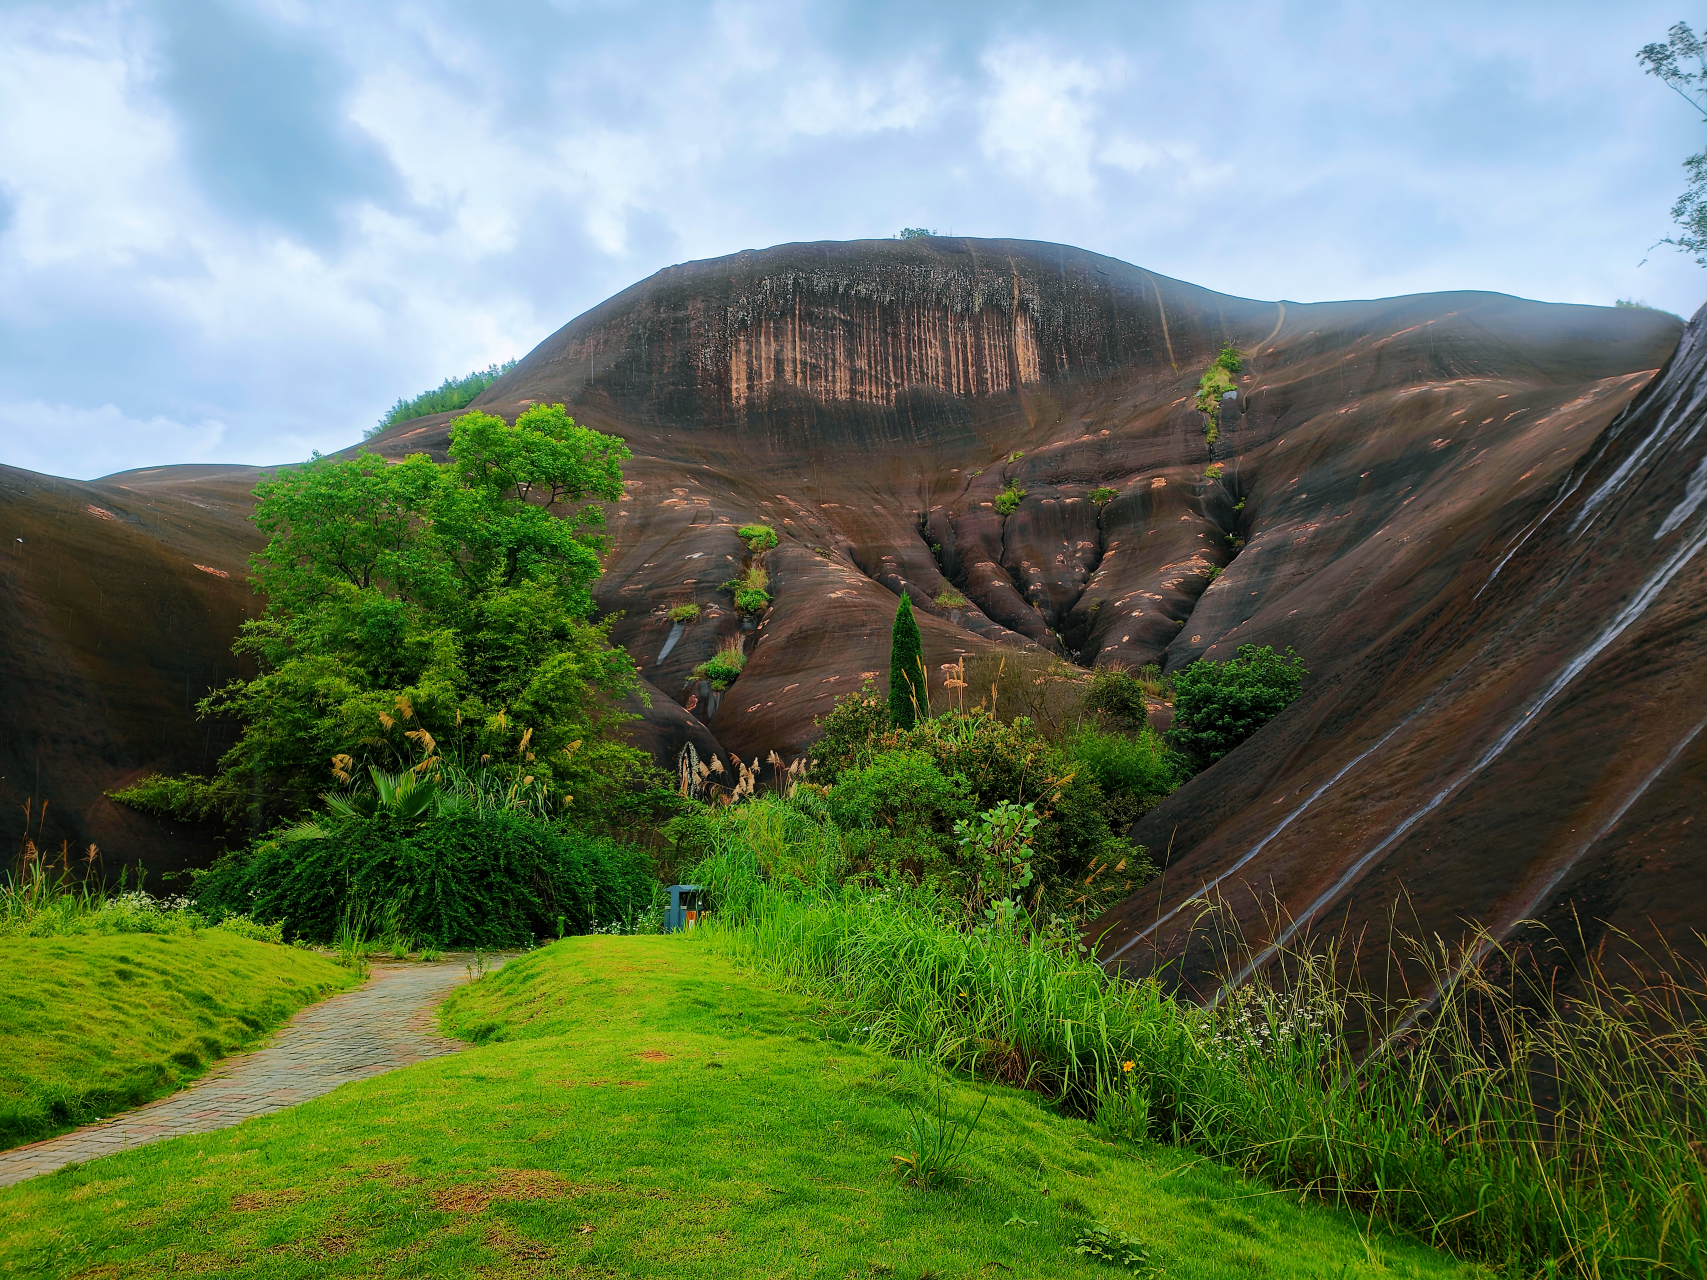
x=899, y=793
x=1217, y=705
x=1216, y=381
x=758, y=537
x=449, y=395
x=1102, y=495
x=465, y=876
x=684, y=613
x=723, y=666
x=750, y=588
x=1008, y=500
x=949, y=598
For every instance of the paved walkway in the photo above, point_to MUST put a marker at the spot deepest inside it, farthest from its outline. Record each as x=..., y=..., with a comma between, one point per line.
x=385, y=1024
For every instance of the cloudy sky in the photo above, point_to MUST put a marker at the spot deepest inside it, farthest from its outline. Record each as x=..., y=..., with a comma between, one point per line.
x=237, y=232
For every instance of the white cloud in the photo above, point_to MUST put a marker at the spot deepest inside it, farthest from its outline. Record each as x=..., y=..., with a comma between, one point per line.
x=1039, y=115
x=106, y=440
x=522, y=173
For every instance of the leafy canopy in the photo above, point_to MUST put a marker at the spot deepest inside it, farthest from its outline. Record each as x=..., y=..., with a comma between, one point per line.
x=1217, y=705
x=416, y=609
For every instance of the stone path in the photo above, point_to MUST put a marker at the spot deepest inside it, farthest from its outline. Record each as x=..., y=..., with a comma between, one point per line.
x=385, y=1024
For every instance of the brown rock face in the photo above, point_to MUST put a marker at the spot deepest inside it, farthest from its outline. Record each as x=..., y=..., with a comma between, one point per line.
x=119, y=600
x=1506, y=720
x=871, y=402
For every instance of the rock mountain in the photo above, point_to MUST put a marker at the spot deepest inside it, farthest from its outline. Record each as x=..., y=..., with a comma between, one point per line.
x=1475, y=517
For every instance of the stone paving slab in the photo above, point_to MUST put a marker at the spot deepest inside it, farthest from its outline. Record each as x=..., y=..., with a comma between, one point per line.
x=384, y=1024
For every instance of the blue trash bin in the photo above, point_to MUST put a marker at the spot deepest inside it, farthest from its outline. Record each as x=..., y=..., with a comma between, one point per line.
x=687, y=904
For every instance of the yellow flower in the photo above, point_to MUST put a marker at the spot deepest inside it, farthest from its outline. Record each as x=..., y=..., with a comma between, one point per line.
x=1126, y=1066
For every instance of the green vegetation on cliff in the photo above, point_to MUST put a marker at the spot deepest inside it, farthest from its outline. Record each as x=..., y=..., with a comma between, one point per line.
x=1217, y=705
x=449, y=395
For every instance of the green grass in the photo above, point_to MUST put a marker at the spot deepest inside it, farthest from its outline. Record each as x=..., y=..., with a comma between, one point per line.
x=92, y=1023
x=638, y=1107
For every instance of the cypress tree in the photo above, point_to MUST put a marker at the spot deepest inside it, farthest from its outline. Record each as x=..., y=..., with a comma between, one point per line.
x=906, y=667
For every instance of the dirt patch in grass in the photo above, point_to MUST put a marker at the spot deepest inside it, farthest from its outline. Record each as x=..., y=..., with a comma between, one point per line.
x=511, y=1184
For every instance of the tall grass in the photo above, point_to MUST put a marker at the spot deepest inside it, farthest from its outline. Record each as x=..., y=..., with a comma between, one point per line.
x=1542, y=1132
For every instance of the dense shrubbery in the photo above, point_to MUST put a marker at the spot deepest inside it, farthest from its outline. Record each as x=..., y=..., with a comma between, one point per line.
x=467, y=878
x=1217, y=705
x=898, y=793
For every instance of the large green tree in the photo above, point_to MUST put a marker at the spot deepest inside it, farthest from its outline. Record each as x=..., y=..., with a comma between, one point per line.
x=417, y=610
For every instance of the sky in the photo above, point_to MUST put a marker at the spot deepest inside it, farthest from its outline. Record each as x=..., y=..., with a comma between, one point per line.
x=238, y=232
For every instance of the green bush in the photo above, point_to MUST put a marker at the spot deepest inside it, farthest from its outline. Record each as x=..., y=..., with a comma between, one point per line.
x=899, y=791
x=1116, y=695
x=1135, y=771
x=758, y=537
x=684, y=613
x=723, y=666
x=998, y=761
x=749, y=588
x=1102, y=495
x=471, y=878
x=1008, y=500
x=849, y=732
x=1217, y=705
x=949, y=598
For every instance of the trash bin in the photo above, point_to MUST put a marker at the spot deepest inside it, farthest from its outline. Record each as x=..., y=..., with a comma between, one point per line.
x=687, y=902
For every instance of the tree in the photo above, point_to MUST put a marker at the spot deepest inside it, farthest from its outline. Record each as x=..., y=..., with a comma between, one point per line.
x=417, y=610
x=1217, y=705
x=907, y=694
x=1670, y=62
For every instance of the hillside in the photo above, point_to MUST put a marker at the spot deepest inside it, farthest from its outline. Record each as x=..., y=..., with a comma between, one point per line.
x=871, y=400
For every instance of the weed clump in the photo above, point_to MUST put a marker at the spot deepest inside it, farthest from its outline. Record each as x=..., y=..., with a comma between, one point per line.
x=684, y=613
x=1008, y=500
x=750, y=589
x=1102, y=495
x=723, y=666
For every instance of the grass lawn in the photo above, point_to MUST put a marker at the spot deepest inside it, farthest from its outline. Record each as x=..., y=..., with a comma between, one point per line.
x=639, y=1108
x=93, y=1023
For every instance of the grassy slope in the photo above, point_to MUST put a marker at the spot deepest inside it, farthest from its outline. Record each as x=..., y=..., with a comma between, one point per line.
x=640, y=1109
x=92, y=1023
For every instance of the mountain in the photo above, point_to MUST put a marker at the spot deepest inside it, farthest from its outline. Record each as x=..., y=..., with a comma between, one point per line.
x=871, y=401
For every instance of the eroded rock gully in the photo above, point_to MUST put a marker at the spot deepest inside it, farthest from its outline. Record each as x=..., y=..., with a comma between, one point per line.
x=871, y=401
